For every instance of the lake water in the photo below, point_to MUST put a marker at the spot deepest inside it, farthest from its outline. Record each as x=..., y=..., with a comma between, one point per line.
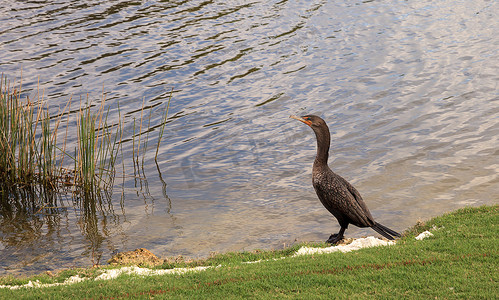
x=409, y=90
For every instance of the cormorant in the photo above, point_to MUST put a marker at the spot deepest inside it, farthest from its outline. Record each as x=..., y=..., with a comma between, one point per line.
x=338, y=196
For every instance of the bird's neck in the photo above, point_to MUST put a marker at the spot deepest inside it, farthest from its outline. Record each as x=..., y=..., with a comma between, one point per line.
x=323, y=140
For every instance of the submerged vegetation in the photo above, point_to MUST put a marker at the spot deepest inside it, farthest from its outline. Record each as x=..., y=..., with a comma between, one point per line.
x=34, y=154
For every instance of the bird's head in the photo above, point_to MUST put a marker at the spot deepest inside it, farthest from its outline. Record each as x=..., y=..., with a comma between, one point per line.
x=311, y=120
x=321, y=133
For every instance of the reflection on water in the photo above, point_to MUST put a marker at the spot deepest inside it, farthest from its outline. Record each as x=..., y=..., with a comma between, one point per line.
x=40, y=225
x=409, y=90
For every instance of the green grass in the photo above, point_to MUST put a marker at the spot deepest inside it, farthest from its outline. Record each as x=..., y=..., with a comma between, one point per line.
x=459, y=261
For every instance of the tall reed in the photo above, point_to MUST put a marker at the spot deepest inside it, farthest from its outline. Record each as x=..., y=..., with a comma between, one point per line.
x=30, y=153
x=97, y=149
x=25, y=155
x=163, y=124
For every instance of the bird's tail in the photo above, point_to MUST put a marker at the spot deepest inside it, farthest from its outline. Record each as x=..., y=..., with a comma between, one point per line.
x=385, y=231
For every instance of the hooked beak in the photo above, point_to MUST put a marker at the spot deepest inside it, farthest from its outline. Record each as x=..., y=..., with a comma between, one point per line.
x=301, y=119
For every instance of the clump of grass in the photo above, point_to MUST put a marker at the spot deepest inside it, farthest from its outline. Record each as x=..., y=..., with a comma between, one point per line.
x=26, y=155
x=31, y=155
x=97, y=149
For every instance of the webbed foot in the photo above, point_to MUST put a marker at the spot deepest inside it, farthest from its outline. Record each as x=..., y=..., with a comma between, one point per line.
x=334, y=239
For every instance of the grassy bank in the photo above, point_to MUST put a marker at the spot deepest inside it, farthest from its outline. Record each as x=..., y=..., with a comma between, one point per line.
x=460, y=260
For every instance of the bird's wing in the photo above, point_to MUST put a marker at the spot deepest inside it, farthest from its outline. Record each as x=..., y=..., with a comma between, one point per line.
x=342, y=200
x=360, y=206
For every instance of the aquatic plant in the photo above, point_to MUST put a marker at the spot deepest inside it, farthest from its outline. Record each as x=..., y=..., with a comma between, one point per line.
x=97, y=149
x=31, y=155
x=27, y=156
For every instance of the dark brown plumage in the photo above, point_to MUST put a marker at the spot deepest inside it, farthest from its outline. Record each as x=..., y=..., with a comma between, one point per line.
x=338, y=196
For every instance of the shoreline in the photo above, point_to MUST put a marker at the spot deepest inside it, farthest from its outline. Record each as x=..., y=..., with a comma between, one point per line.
x=351, y=244
x=432, y=254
